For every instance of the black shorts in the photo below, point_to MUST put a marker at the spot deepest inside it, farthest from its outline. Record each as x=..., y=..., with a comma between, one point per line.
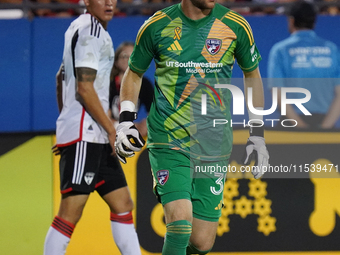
x=85, y=167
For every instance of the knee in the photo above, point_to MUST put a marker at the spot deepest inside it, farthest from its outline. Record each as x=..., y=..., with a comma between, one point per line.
x=70, y=217
x=178, y=233
x=199, y=248
x=128, y=204
x=178, y=210
x=123, y=206
x=72, y=206
x=70, y=214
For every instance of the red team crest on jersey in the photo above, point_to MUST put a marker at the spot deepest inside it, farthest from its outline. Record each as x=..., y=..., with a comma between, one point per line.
x=162, y=176
x=213, y=45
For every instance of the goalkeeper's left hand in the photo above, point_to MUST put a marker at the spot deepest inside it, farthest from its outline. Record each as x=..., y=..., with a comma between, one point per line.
x=256, y=147
x=128, y=138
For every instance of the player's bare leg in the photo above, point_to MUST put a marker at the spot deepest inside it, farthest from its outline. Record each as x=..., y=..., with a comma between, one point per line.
x=202, y=237
x=119, y=200
x=72, y=206
x=178, y=218
x=123, y=229
x=59, y=234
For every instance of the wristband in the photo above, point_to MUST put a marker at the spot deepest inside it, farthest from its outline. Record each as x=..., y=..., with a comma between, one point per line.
x=127, y=105
x=127, y=116
x=256, y=129
x=254, y=117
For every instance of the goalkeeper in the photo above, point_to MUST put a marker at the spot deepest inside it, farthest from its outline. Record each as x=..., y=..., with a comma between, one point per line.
x=194, y=45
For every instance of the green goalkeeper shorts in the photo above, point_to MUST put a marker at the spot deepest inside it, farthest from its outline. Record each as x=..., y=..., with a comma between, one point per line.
x=177, y=176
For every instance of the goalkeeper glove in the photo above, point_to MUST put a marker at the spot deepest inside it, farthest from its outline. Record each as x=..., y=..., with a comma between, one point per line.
x=128, y=138
x=256, y=147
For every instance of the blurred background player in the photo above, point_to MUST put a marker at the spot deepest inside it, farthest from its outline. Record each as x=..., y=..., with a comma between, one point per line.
x=85, y=134
x=314, y=62
x=122, y=55
x=194, y=43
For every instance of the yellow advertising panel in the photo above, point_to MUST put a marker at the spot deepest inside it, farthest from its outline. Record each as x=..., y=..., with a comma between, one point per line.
x=26, y=193
x=295, y=212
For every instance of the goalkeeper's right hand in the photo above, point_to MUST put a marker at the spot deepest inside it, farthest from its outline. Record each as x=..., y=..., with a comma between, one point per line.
x=256, y=147
x=128, y=138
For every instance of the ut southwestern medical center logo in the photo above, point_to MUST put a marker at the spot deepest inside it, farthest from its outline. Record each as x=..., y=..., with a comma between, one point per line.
x=239, y=102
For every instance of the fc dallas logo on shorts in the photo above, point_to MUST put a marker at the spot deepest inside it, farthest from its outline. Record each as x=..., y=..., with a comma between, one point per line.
x=213, y=45
x=162, y=176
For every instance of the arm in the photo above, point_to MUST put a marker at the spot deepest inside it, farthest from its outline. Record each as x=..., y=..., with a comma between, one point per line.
x=128, y=139
x=59, y=82
x=89, y=98
x=253, y=80
x=130, y=86
x=334, y=111
x=255, y=145
x=59, y=88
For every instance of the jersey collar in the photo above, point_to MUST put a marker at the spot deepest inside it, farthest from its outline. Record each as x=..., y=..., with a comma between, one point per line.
x=195, y=23
x=304, y=33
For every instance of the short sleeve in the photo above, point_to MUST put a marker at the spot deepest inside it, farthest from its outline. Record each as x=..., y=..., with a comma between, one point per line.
x=87, y=47
x=246, y=53
x=143, y=51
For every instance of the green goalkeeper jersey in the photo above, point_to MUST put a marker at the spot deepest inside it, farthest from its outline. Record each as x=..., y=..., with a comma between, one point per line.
x=191, y=57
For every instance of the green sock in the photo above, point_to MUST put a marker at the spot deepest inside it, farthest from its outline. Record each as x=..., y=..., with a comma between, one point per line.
x=177, y=237
x=193, y=250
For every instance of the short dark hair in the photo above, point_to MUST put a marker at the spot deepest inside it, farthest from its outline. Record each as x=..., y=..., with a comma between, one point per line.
x=304, y=14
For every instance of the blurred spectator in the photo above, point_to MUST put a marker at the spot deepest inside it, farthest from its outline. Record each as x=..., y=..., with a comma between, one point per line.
x=69, y=12
x=131, y=8
x=122, y=11
x=11, y=13
x=151, y=10
x=331, y=10
x=243, y=9
x=42, y=12
x=264, y=9
x=11, y=1
x=270, y=10
x=127, y=11
x=45, y=12
x=121, y=60
x=314, y=63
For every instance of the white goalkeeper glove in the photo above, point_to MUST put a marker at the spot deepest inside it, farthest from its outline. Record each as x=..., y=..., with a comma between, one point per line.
x=128, y=138
x=256, y=146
